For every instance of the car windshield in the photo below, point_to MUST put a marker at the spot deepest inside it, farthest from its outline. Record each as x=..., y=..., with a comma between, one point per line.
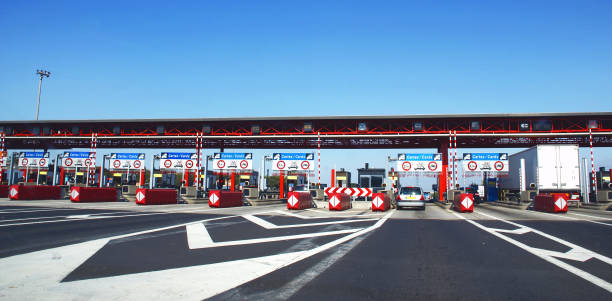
x=410, y=190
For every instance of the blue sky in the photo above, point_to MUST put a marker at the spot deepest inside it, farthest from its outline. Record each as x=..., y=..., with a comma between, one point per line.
x=175, y=59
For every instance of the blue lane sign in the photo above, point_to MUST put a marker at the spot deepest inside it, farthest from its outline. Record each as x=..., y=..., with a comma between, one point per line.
x=293, y=156
x=485, y=156
x=34, y=155
x=233, y=156
x=419, y=157
x=77, y=155
x=428, y=163
x=128, y=156
x=179, y=156
x=489, y=162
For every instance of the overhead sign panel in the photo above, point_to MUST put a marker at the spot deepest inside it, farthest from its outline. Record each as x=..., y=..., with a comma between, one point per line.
x=478, y=162
x=120, y=161
x=33, y=159
x=419, y=162
x=293, y=161
x=233, y=161
x=178, y=161
x=77, y=159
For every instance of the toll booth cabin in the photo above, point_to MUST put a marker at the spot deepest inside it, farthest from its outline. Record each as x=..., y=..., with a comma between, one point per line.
x=603, y=192
x=223, y=180
x=342, y=178
x=371, y=177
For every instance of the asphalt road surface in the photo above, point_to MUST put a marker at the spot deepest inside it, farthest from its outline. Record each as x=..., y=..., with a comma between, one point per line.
x=55, y=250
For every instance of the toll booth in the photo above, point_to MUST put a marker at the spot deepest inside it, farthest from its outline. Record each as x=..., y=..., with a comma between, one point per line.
x=76, y=167
x=343, y=178
x=33, y=166
x=296, y=181
x=185, y=165
x=491, y=191
x=604, y=186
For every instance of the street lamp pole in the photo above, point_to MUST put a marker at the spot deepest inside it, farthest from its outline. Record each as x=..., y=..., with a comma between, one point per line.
x=42, y=74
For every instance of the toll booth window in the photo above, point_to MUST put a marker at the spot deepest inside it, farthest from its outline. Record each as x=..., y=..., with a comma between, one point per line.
x=364, y=182
x=377, y=181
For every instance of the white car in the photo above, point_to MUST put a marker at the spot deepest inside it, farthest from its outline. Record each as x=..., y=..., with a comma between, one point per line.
x=411, y=197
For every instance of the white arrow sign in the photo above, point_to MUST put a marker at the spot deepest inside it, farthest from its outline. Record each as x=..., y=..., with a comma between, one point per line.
x=292, y=200
x=213, y=198
x=377, y=201
x=74, y=194
x=13, y=191
x=467, y=202
x=140, y=196
x=334, y=201
x=560, y=203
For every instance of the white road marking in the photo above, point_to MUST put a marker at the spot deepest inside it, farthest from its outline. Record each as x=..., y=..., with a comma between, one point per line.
x=22, y=276
x=576, y=253
x=35, y=210
x=569, y=217
x=327, y=213
x=591, y=216
x=78, y=219
x=268, y=225
x=198, y=236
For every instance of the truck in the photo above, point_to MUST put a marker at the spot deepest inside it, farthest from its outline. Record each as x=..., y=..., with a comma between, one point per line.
x=549, y=168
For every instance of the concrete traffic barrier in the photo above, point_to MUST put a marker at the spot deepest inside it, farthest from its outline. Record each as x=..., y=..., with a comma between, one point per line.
x=299, y=200
x=224, y=198
x=4, y=191
x=381, y=202
x=145, y=196
x=339, y=201
x=464, y=202
x=34, y=192
x=93, y=194
x=553, y=203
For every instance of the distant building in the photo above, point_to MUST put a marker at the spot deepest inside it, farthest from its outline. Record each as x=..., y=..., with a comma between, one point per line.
x=370, y=177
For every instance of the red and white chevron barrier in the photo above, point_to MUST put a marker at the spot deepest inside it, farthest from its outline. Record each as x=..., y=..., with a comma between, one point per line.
x=350, y=191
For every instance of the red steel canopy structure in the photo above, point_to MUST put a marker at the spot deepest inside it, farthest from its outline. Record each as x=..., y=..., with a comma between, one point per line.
x=344, y=132
x=338, y=132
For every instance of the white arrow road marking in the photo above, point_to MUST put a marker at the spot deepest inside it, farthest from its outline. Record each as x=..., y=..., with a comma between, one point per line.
x=22, y=274
x=268, y=225
x=576, y=252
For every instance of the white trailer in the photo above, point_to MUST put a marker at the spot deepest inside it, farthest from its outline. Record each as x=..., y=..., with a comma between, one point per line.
x=552, y=168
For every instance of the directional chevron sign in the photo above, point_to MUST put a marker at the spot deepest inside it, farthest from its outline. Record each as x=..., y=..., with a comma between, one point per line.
x=357, y=192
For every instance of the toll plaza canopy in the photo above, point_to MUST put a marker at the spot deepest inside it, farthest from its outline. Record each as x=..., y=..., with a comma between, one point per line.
x=396, y=131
